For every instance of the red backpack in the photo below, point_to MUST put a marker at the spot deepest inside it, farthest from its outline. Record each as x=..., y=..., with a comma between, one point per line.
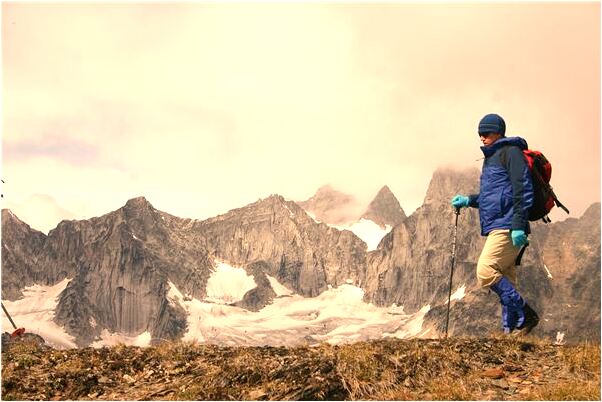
x=544, y=198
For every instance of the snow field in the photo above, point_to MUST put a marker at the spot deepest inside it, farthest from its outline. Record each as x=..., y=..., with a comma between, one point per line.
x=337, y=315
x=35, y=312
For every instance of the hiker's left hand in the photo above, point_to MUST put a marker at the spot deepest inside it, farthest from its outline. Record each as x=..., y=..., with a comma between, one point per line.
x=519, y=238
x=460, y=201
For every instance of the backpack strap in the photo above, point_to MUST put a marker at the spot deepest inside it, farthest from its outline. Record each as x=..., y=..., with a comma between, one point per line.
x=519, y=257
x=504, y=156
x=557, y=202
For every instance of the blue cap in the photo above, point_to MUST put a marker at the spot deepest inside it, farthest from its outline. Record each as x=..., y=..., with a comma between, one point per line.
x=492, y=123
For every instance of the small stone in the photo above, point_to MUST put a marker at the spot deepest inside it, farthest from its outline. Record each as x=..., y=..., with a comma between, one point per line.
x=256, y=394
x=104, y=380
x=512, y=368
x=494, y=373
x=500, y=383
x=129, y=379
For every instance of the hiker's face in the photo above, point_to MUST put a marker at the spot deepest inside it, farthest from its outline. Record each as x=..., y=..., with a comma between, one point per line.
x=490, y=138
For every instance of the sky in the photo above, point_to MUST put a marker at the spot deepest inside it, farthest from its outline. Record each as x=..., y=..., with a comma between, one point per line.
x=206, y=107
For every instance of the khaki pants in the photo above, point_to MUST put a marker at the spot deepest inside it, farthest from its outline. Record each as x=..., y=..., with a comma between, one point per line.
x=497, y=259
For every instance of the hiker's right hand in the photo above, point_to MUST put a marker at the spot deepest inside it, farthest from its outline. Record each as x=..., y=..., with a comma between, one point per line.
x=460, y=201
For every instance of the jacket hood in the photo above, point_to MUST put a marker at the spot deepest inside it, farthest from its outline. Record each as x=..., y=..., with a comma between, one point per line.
x=502, y=142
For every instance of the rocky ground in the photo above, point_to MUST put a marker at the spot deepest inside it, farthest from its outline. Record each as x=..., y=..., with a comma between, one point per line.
x=493, y=368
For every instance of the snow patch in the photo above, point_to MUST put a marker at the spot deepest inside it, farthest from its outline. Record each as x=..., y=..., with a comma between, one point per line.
x=228, y=284
x=291, y=213
x=111, y=339
x=312, y=216
x=547, y=271
x=396, y=310
x=35, y=312
x=458, y=294
x=559, y=338
x=413, y=326
x=278, y=288
x=366, y=230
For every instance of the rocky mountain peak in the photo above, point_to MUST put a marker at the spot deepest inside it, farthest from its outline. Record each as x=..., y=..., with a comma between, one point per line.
x=140, y=216
x=9, y=216
x=12, y=224
x=138, y=203
x=592, y=212
x=272, y=203
x=446, y=182
x=385, y=209
x=327, y=195
x=275, y=199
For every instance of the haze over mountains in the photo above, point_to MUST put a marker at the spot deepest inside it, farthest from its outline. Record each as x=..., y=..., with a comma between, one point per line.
x=140, y=275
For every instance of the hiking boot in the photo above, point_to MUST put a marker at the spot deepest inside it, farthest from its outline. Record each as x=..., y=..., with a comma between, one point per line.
x=531, y=321
x=513, y=312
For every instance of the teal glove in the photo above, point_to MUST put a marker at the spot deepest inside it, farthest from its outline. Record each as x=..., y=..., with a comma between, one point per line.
x=519, y=237
x=460, y=201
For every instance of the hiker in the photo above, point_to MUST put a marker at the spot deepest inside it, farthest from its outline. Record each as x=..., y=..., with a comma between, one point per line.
x=504, y=199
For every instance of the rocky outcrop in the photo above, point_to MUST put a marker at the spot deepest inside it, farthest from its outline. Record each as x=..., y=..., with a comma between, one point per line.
x=304, y=255
x=21, y=247
x=570, y=255
x=384, y=209
x=259, y=297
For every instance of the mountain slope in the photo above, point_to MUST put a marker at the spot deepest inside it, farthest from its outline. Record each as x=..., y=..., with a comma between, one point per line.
x=20, y=247
x=300, y=253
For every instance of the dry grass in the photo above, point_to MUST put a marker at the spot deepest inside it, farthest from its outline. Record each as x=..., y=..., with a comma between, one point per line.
x=572, y=390
x=386, y=369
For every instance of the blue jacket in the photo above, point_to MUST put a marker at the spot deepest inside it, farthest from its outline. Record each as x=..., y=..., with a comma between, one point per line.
x=506, y=192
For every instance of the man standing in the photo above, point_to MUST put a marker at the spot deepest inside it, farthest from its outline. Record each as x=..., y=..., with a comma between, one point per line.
x=504, y=199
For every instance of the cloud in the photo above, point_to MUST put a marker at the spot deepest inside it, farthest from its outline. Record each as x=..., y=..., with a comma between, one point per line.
x=41, y=212
x=205, y=107
x=70, y=150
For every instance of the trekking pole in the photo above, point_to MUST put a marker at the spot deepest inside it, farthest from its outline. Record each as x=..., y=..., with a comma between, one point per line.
x=8, y=315
x=453, y=263
x=17, y=331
